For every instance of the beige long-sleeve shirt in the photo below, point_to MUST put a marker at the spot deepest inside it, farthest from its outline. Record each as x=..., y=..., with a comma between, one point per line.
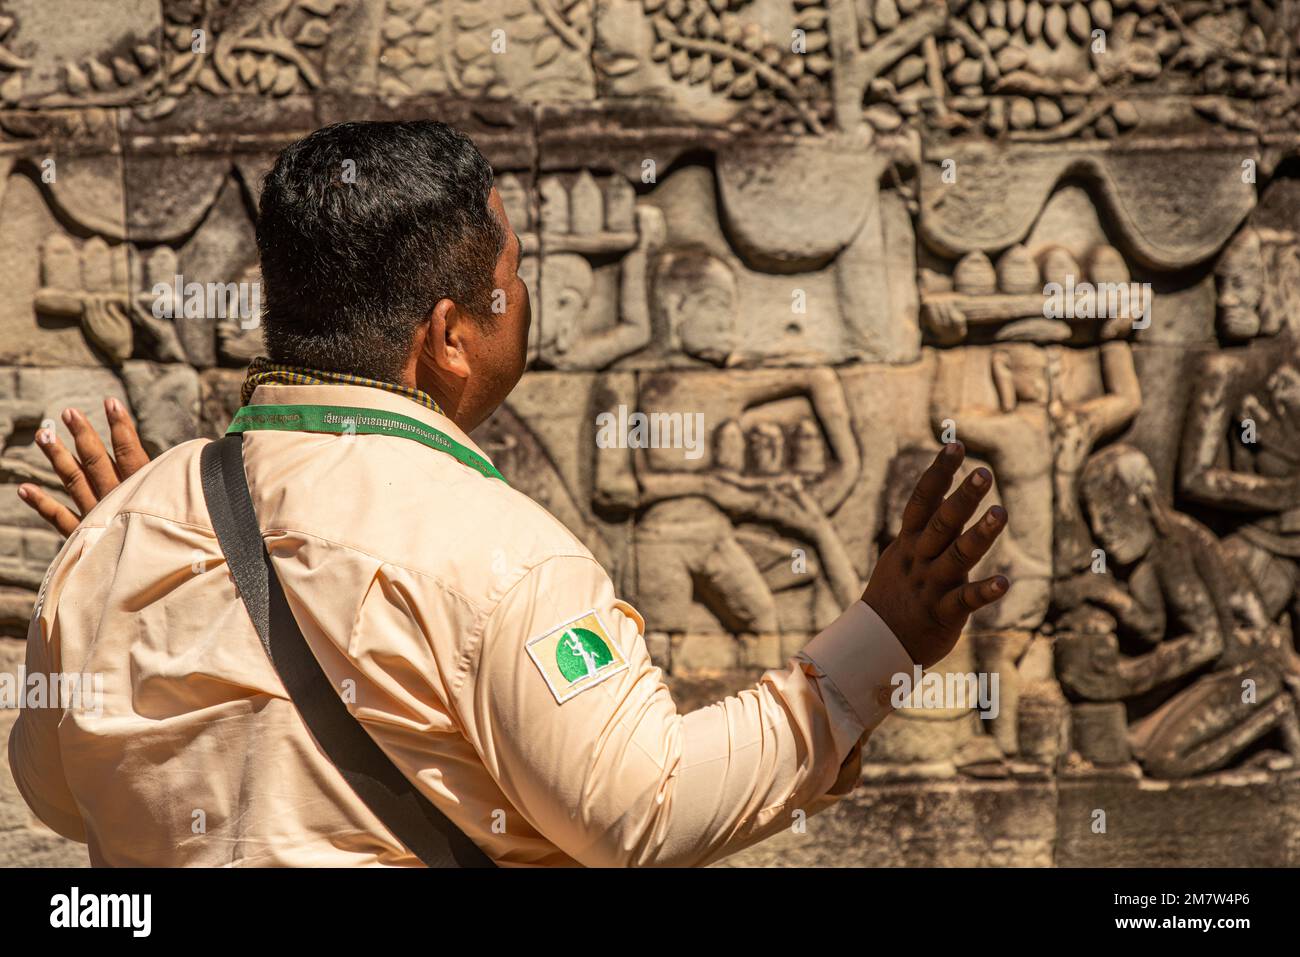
x=473, y=635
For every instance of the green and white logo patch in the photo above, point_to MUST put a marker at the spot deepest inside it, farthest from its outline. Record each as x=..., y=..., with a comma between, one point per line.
x=576, y=656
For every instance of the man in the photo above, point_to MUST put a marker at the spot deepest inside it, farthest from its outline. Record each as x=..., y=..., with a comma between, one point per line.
x=436, y=598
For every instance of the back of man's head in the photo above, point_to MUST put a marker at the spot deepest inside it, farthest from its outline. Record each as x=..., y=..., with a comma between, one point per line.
x=363, y=228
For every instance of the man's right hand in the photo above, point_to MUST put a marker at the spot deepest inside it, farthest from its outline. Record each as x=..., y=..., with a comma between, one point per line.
x=92, y=473
x=920, y=585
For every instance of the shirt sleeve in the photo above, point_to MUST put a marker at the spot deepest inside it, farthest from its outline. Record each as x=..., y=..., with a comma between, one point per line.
x=34, y=755
x=578, y=728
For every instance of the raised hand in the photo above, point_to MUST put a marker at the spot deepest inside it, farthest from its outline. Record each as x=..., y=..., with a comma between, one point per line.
x=92, y=473
x=920, y=586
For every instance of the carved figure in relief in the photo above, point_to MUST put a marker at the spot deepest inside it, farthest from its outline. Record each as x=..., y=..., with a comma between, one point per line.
x=567, y=337
x=1240, y=453
x=1037, y=442
x=1178, y=597
x=779, y=472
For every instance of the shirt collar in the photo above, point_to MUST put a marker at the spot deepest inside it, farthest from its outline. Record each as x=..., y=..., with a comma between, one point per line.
x=361, y=396
x=262, y=371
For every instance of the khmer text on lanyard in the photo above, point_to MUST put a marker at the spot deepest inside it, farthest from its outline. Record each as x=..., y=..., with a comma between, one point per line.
x=350, y=420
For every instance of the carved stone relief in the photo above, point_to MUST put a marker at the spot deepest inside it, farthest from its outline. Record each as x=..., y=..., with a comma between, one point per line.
x=778, y=252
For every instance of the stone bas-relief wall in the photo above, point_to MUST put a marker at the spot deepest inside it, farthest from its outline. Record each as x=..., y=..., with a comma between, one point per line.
x=817, y=237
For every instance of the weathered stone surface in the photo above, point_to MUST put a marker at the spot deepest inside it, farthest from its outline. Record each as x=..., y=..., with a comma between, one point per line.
x=1185, y=824
x=518, y=50
x=68, y=296
x=219, y=399
x=737, y=502
x=998, y=193
x=816, y=239
x=1098, y=733
x=69, y=54
x=818, y=264
x=167, y=398
x=931, y=824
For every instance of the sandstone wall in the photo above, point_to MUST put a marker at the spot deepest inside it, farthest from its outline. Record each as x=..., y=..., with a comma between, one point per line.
x=836, y=230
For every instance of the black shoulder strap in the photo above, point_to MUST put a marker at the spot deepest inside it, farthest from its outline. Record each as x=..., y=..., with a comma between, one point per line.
x=388, y=793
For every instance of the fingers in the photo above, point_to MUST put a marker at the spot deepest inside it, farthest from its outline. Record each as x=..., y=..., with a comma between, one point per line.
x=68, y=469
x=95, y=461
x=951, y=517
x=127, y=448
x=932, y=487
x=91, y=473
x=964, y=600
x=969, y=547
x=49, y=508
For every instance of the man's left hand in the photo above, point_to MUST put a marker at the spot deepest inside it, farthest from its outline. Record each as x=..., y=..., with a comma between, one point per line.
x=90, y=474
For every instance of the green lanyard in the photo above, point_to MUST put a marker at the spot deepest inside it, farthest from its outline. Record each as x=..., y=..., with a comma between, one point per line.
x=350, y=420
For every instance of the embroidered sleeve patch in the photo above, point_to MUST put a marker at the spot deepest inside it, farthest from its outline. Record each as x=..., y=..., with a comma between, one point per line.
x=576, y=656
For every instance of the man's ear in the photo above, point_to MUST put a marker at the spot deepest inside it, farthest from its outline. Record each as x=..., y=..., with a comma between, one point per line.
x=443, y=353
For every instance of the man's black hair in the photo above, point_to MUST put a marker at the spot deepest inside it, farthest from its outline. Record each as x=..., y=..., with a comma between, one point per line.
x=363, y=227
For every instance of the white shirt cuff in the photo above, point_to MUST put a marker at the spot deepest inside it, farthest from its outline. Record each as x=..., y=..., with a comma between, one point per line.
x=859, y=656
